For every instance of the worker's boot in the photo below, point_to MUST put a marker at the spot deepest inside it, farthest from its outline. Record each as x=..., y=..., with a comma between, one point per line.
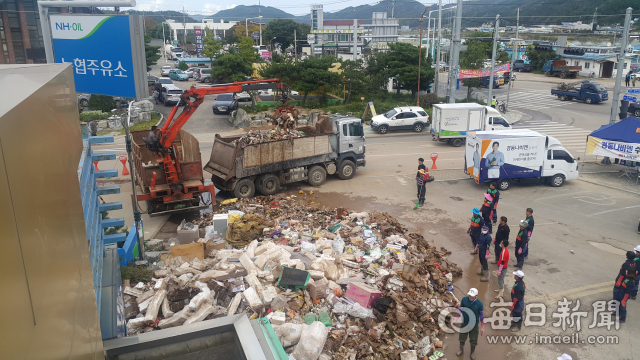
x=472, y=356
x=480, y=272
x=500, y=293
x=517, y=326
x=485, y=276
x=461, y=349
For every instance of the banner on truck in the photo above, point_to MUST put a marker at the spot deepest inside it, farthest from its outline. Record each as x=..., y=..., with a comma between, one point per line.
x=613, y=149
x=475, y=73
x=503, y=157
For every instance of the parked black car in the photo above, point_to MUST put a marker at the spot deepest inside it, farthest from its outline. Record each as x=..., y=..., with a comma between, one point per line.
x=634, y=108
x=225, y=103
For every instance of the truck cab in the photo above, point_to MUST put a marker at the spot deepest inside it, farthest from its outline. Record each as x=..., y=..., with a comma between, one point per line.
x=351, y=143
x=559, y=165
x=497, y=81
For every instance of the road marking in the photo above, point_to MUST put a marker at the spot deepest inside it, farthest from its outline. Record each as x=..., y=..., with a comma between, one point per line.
x=608, y=211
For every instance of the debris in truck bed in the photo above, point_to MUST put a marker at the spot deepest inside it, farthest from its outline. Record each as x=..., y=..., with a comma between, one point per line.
x=334, y=284
x=263, y=136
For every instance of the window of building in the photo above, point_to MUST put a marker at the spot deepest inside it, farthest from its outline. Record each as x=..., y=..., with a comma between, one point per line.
x=587, y=65
x=343, y=37
x=330, y=37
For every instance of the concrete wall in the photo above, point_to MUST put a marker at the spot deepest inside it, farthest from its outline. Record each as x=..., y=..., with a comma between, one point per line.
x=48, y=305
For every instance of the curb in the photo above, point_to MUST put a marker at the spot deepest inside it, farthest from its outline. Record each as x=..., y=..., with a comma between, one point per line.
x=609, y=186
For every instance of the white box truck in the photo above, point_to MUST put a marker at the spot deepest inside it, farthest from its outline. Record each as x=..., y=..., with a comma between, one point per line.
x=451, y=122
x=514, y=155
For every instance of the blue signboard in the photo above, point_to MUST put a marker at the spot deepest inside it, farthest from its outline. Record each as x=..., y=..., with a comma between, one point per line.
x=100, y=49
x=633, y=91
x=199, y=42
x=630, y=98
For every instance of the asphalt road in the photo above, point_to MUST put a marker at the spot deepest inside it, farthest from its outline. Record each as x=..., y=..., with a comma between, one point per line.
x=582, y=230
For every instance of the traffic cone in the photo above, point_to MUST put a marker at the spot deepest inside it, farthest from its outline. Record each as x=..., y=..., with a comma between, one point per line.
x=123, y=160
x=95, y=165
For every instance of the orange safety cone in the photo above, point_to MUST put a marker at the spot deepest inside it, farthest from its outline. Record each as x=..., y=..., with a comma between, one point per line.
x=123, y=160
x=434, y=156
x=95, y=165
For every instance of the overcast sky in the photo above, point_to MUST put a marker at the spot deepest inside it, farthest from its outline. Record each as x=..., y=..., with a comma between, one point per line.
x=207, y=7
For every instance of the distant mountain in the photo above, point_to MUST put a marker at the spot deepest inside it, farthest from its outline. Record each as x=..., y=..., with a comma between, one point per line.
x=160, y=16
x=242, y=12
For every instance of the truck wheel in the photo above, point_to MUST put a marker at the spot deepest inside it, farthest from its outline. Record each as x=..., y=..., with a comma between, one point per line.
x=383, y=129
x=563, y=97
x=347, y=170
x=417, y=127
x=503, y=184
x=317, y=176
x=588, y=100
x=245, y=188
x=269, y=184
x=563, y=75
x=557, y=181
x=547, y=73
x=456, y=142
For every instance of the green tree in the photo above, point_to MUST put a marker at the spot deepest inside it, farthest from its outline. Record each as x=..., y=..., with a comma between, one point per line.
x=313, y=75
x=280, y=68
x=246, y=49
x=151, y=52
x=211, y=47
x=354, y=76
x=229, y=68
x=102, y=103
x=538, y=58
x=473, y=58
x=401, y=63
x=282, y=30
x=183, y=66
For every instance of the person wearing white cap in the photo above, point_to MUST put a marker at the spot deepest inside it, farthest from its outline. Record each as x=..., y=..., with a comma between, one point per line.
x=517, y=300
x=475, y=306
x=522, y=240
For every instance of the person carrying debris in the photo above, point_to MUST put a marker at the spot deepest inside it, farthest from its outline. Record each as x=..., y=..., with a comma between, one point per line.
x=517, y=300
x=484, y=242
x=502, y=233
x=522, y=241
x=421, y=166
x=93, y=127
x=530, y=223
x=634, y=292
x=493, y=191
x=486, y=209
x=474, y=306
x=629, y=264
x=422, y=182
x=474, y=229
x=503, y=263
x=623, y=293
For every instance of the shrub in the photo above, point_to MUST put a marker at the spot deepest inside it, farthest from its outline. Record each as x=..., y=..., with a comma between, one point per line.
x=102, y=102
x=96, y=115
x=313, y=104
x=427, y=101
x=183, y=66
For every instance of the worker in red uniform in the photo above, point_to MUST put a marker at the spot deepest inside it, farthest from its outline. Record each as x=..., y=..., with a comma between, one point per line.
x=486, y=209
x=474, y=228
x=517, y=300
x=522, y=241
x=493, y=191
x=623, y=293
x=503, y=264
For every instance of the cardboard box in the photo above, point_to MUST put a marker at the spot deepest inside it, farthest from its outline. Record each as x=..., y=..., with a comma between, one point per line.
x=363, y=294
x=220, y=223
x=318, y=289
x=187, y=236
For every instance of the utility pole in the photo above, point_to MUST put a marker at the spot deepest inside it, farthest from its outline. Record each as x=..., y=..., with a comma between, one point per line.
x=393, y=7
x=295, y=46
x=134, y=200
x=493, y=57
x=420, y=56
x=260, y=17
x=355, y=39
x=164, y=44
x=513, y=59
x=623, y=49
x=436, y=82
x=184, y=26
x=455, y=55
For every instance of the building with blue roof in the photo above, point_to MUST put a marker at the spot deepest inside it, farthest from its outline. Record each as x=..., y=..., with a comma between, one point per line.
x=602, y=65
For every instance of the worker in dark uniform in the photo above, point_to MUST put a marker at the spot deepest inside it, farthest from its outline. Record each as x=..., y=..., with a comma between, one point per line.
x=629, y=264
x=517, y=300
x=522, y=242
x=422, y=189
x=484, y=242
x=93, y=127
x=421, y=166
x=502, y=233
x=623, y=293
x=486, y=209
x=530, y=223
x=493, y=191
x=474, y=228
x=472, y=305
x=634, y=292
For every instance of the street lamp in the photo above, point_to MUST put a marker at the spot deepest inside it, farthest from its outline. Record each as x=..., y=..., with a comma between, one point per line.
x=420, y=56
x=260, y=17
x=270, y=41
x=246, y=25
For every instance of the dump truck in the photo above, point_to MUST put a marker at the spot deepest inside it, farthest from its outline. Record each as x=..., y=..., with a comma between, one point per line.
x=560, y=68
x=590, y=93
x=160, y=196
x=334, y=146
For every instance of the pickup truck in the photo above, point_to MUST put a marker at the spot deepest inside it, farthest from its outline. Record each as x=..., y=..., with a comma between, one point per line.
x=560, y=68
x=497, y=81
x=590, y=93
x=520, y=66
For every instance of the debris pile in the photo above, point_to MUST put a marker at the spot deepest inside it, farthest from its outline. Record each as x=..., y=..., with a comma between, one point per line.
x=334, y=284
x=263, y=136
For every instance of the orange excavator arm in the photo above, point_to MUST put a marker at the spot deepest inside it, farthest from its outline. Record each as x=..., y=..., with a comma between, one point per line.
x=194, y=97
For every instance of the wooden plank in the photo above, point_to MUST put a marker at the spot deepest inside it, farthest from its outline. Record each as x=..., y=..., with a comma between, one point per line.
x=188, y=251
x=106, y=190
x=103, y=156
